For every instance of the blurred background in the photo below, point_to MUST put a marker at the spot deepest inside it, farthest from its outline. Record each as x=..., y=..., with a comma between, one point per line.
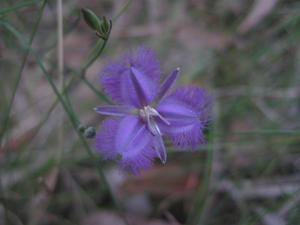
x=246, y=53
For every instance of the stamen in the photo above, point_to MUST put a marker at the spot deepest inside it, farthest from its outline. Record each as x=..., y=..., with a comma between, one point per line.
x=163, y=119
x=153, y=112
x=147, y=114
x=151, y=126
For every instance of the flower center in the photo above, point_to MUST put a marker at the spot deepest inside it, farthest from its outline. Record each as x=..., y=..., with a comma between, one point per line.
x=147, y=114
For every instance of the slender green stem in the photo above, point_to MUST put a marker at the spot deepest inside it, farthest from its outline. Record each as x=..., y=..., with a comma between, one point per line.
x=267, y=132
x=79, y=76
x=60, y=47
x=19, y=75
x=3, y=199
x=93, y=59
x=125, y=7
x=201, y=194
x=60, y=63
x=198, y=211
x=100, y=94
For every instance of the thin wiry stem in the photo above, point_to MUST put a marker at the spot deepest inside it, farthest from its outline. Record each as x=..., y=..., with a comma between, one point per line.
x=3, y=198
x=93, y=59
x=211, y=172
x=125, y=7
x=203, y=197
x=60, y=50
x=19, y=75
x=99, y=94
x=60, y=63
x=197, y=211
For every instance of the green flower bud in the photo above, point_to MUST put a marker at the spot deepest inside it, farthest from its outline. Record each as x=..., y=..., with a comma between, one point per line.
x=91, y=19
x=90, y=132
x=101, y=26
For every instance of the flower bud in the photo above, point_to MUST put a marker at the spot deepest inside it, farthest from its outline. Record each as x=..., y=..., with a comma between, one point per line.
x=91, y=19
x=102, y=27
x=90, y=132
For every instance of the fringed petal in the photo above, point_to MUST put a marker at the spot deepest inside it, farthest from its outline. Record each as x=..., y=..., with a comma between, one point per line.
x=105, y=138
x=126, y=140
x=136, y=163
x=117, y=81
x=188, y=110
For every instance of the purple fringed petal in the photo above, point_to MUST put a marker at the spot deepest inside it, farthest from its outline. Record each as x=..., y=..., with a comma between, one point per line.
x=116, y=77
x=126, y=140
x=105, y=138
x=188, y=111
x=135, y=164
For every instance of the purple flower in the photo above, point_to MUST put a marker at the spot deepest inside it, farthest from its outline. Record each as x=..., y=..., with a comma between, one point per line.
x=147, y=112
